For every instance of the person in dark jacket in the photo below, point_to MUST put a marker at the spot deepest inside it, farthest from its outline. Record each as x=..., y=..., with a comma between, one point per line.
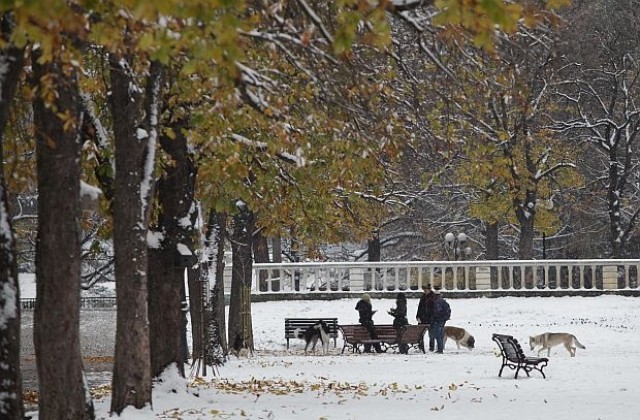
x=438, y=316
x=423, y=314
x=400, y=322
x=366, y=312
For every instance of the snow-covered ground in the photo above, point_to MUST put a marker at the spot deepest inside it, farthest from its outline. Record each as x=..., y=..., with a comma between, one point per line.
x=601, y=382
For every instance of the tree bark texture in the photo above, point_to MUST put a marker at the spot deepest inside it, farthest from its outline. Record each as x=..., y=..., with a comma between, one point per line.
x=261, y=255
x=217, y=292
x=197, y=303
x=10, y=379
x=373, y=247
x=240, y=300
x=526, y=214
x=166, y=273
x=492, y=247
x=135, y=113
x=214, y=333
x=63, y=393
x=613, y=206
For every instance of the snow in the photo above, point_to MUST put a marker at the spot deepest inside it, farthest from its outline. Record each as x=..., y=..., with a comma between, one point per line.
x=183, y=249
x=8, y=309
x=152, y=137
x=90, y=191
x=154, y=239
x=141, y=134
x=275, y=383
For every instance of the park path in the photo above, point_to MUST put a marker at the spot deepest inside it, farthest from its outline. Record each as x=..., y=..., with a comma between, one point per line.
x=97, y=342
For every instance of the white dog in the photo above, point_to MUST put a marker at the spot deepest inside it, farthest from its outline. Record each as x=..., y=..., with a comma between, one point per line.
x=548, y=340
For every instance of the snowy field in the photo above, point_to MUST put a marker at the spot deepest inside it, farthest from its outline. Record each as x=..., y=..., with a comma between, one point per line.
x=601, y=382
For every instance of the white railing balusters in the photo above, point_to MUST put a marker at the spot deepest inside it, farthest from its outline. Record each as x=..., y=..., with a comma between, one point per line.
x=453, y=276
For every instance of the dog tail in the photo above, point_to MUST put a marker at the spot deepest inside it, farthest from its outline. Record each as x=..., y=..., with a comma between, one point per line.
x=577, y=343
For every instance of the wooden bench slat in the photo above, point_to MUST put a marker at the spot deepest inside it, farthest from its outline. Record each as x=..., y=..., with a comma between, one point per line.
x=514, y=358
x=355, y=335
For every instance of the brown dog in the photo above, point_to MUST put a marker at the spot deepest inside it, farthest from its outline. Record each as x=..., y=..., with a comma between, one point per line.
x=460, y=336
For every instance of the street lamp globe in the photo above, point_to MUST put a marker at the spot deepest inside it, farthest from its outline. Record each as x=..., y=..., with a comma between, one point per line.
x=449, y=238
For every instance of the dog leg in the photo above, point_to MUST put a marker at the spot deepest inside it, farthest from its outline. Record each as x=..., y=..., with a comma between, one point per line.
x=570, y=349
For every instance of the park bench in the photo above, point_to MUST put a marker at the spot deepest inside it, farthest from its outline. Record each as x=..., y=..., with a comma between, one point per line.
x=514, y=358
x=356, y=335
x=295, y=327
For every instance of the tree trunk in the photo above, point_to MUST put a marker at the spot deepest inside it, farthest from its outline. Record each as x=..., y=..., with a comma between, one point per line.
x=373, y=247
x=217, y=292
x=165, y=313
x=613, y=207
x=492, y=250
x=276, y=256
x=491, y=241
x=197, y=302
x=261, y=255
x=135, y=130
x=277, y=249
x=166, y=274
x=240, y=327
x=10, y=380
x=526, y=214
x=63, y=392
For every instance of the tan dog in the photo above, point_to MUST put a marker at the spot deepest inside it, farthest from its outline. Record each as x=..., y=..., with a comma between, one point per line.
x=460, y=336
x=548, y=340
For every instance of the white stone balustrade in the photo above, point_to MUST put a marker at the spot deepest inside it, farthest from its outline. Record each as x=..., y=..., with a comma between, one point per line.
x=451, y=276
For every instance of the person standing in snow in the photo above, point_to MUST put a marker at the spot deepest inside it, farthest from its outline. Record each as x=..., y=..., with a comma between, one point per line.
x=400, y=322
x=440, y=314
x=425, y=306
x=365, y=309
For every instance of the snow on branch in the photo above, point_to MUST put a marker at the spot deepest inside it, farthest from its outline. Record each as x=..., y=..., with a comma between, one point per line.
x=403, y=5
x=155, y=81
x=90, y=110
x=86, y=190
x=316, y=20
x=539, y=175
x=288, y=54
x=261, y=146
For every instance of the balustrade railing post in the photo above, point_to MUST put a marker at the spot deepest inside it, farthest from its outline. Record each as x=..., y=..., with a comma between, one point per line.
x=483, y=278
x=610, y=277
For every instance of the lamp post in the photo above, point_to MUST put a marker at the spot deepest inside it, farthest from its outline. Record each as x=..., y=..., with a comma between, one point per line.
x=456, y=244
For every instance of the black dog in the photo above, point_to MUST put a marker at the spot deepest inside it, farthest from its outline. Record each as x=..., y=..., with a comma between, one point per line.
x=240, y=348
x=319, y=330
